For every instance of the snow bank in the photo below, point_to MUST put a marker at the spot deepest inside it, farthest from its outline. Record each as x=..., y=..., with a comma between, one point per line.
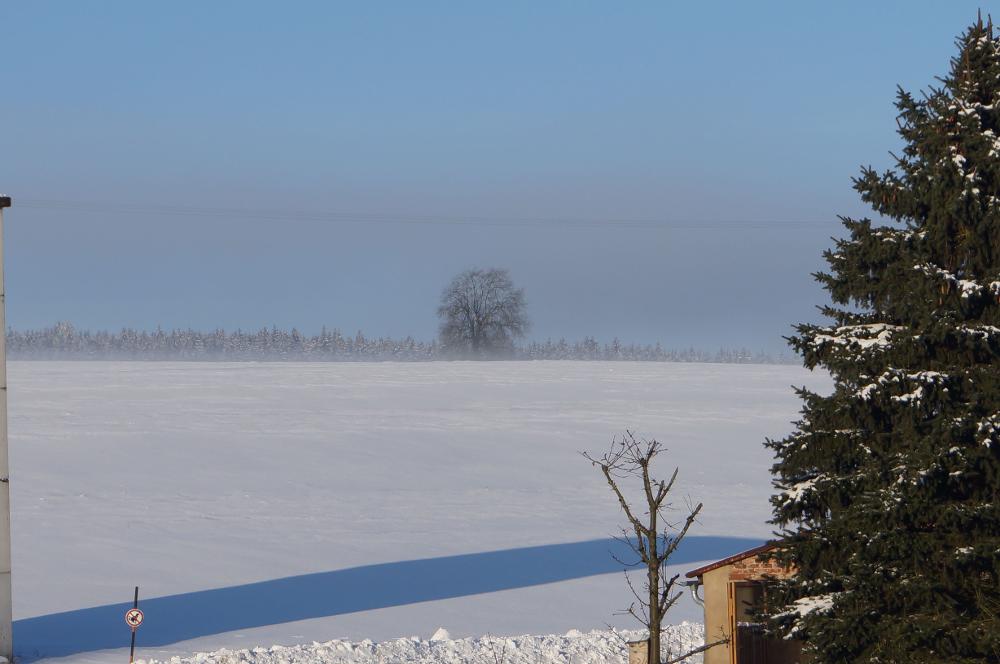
x=596, y=647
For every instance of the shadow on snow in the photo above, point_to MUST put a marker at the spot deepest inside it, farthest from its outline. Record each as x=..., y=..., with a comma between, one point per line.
x=191, y=615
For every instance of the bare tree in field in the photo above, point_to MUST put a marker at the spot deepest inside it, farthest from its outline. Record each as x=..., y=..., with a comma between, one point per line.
x=650, y=535
x=481, y=311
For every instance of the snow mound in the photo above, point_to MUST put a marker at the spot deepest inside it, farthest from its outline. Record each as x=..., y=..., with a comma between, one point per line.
x=596, y=647
x=441, y=635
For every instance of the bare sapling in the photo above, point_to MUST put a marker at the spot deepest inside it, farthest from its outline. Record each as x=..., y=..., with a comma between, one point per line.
x=650, y=534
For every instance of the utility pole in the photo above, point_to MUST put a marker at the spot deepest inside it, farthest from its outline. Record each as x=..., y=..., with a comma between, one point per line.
x=6, y=606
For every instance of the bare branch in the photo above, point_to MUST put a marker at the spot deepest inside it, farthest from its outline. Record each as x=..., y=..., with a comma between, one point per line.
x=667, y=606
x=628, y=580
x=498, y=657
x=644, y=618
x=614, y=632
x=630, y=461
x=674, y=541
x=697, y=650
x=666, y=487
x=640, y=529
x=667, y=588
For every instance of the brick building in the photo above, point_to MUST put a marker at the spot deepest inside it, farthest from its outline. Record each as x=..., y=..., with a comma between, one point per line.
x=732, y=589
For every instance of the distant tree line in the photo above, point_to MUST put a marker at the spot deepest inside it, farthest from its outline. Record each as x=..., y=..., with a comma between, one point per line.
x=64, y=342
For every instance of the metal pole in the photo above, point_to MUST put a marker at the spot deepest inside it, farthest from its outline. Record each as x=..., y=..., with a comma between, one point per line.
x=6, y=607
x=135, y=605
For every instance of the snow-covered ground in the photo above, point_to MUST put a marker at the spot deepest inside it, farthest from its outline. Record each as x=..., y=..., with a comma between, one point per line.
x=259, y=504
x=574, y=647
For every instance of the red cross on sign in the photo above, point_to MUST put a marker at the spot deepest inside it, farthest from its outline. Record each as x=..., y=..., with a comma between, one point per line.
x=133, y=618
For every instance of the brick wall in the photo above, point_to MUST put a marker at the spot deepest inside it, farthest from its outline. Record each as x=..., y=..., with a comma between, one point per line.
x=750, y=569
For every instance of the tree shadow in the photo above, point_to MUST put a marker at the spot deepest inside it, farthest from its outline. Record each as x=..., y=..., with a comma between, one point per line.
x=175, y=618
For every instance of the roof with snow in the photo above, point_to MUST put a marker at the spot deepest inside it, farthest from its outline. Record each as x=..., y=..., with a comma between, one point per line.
x=736, y=557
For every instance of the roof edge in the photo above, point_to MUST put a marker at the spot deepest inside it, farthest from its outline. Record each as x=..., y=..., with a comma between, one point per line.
x=731, y=559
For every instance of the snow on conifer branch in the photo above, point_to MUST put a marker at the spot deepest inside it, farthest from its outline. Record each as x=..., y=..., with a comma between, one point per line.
x=804, y=607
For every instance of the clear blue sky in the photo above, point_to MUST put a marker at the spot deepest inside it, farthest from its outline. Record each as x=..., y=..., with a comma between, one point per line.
x=735, y=125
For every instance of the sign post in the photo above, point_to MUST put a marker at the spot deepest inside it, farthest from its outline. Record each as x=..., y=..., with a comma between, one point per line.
x=133, y=618
x=6, y=613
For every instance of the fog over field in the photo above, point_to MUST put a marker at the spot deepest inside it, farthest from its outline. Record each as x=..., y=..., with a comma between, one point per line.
x=417, y=495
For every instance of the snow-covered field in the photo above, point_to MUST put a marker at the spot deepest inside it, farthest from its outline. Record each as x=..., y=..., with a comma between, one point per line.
x=261, y=504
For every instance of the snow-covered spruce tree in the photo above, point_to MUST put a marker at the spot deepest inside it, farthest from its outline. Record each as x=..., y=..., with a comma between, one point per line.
x=889, y=489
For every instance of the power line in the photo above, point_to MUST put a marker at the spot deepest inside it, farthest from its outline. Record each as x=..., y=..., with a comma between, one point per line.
x=343, y=217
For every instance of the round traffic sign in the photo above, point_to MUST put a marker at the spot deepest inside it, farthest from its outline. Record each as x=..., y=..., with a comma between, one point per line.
x=133, y=618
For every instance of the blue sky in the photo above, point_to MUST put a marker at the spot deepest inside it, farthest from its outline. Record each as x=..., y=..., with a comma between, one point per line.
x=247, y=164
